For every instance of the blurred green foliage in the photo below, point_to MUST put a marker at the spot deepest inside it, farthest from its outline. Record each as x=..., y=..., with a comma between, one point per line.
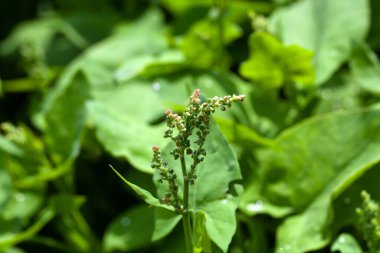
x=84, y=84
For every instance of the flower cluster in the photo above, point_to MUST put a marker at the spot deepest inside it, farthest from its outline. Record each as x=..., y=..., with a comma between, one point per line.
x=369, y=222
x=168, y=175
x=195, y=117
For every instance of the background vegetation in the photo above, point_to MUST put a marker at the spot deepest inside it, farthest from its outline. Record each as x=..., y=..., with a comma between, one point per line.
x=85, y=84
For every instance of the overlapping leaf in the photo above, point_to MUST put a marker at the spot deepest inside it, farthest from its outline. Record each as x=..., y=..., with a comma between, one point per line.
x=365, y=68
x=312, y=164
x=273, y=65
x=325, y=27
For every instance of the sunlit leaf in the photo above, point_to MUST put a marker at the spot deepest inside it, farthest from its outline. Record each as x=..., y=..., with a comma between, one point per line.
x=63, y=116
x=203, y=44
x=346, y=243
x=272, y=65
x=317, y=25
x=311, y=164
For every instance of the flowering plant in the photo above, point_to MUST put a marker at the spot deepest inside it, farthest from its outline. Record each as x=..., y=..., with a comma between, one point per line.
x=188, y=132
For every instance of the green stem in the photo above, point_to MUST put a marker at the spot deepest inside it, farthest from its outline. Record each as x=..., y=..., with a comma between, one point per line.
x=85, y=230
x=185, y=214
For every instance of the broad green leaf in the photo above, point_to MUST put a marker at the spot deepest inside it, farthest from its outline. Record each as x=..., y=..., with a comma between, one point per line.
x=164, y=222
x=317, y=25
x=30, y=161
x=341, y=92
x=311, y=164
x=272, y=65
x=240, y=133
x=9, y=147
x=125, y=136
x=215, y=192
x=22, y=204
x=38, y=34
x=203, y=45
x=63, y=116
x=136, y=100
x=365, y=68
x=130, y=41
x=131, y=230
x=346, y=243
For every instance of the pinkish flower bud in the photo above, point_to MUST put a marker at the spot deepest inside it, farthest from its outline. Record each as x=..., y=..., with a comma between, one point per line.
x=168, y=112
x=195, y=97
x=156, y=148
x=196, y=93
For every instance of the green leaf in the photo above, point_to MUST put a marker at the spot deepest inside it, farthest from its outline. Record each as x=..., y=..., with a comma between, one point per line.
x=164, y=222
x=130, y=230
x=62, y=117
x=271, y=64
x=22, y=204
x=166, y=62
x=341, y=92
x=164, y=217
x=136, y=100
x=125, y=136
x=317, y=25
x=38, y=34
x=10, y=148
x=215, y=192
x=129, y=41
x=311, y=164
x=145, y=195
x=365, y=68
x=203, y=44
x=346, y=243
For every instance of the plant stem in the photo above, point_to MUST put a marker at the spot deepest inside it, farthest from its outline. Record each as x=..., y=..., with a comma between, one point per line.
x=185, y=214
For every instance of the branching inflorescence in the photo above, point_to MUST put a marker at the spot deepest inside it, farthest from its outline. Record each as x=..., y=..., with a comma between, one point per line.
x=196, y=117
